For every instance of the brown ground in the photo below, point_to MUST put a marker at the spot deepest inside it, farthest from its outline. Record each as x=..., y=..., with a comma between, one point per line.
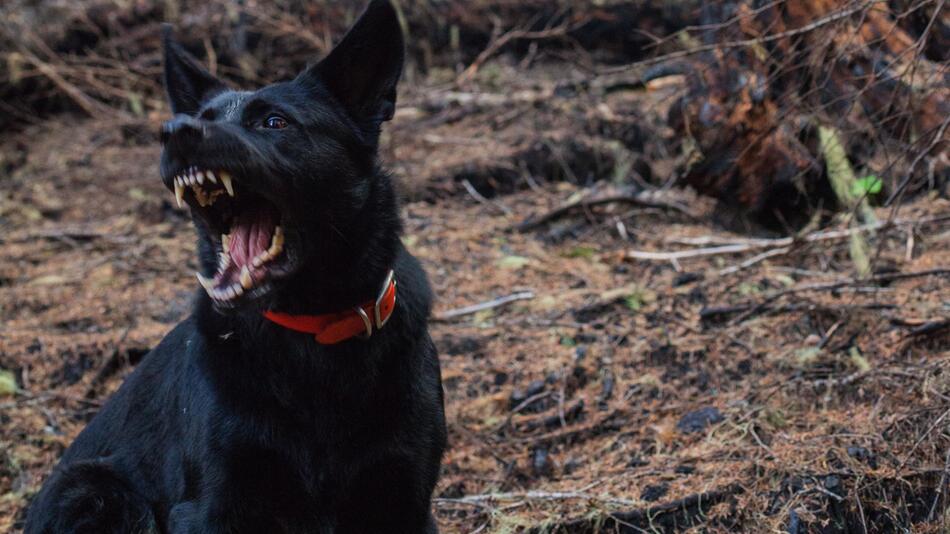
x=618, y=387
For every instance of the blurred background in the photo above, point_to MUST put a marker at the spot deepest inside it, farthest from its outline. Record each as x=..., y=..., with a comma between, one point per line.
x=692, y=259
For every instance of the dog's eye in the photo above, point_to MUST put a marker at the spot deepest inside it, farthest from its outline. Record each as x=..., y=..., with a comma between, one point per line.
x=275, y=122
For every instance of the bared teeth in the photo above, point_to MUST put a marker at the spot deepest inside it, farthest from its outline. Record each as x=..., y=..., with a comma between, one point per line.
x=277, y=242
x=246, y=281
x=276, y=246
x=226, y=180
x=179, y=192
x=195, y=178
x=226, y=293
x=205, y=282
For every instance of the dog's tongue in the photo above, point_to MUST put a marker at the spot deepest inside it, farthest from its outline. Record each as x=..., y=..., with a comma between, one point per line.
x=251, y=234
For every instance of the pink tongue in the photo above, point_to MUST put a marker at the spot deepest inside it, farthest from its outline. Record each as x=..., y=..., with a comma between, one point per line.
x=251, y=234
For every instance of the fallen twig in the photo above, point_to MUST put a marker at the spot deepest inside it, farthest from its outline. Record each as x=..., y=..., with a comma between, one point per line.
x=678, y=514
x=480, y=198
x=487, y=305
x=643, y=198
x=830, y=286
x=929, y=327
x=514, y=35
x=534, y=496
x=832, y=17
x=92, y=107
x=756, y=244
x=940, y=487
x=720, y=313
x=758, y=258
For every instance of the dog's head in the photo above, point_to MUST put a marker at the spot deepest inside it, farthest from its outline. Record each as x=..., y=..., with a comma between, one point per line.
x=274, y=177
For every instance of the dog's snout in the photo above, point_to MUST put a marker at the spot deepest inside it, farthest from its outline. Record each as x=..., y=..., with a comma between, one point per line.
x=183, y=128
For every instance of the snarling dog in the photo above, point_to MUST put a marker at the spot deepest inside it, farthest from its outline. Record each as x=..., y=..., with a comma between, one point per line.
x=303, y=393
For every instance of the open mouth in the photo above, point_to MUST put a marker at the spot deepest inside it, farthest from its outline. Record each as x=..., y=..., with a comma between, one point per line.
x=251, y=238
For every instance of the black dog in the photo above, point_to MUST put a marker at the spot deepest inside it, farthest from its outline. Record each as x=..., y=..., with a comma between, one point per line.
x=303, y=394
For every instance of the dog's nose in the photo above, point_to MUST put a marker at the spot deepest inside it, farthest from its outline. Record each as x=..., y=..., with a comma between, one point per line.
x=183, y=128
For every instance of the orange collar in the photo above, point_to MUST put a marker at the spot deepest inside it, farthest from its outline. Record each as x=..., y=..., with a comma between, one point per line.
x=331, y=328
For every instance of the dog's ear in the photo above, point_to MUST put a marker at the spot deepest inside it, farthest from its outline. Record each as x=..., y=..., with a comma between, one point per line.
x=187, y=83
x=363, y=69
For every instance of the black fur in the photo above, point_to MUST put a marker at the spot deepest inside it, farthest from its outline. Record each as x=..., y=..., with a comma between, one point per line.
x=233, y=424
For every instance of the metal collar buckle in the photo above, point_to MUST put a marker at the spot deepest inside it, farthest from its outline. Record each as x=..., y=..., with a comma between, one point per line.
x=377, y=315
x=379, y=299
x=369, y=325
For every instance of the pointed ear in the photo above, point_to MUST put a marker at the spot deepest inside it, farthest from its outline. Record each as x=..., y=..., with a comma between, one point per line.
x=187, y=83
x=362, y=71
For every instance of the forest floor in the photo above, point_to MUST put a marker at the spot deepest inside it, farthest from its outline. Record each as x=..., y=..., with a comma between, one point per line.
x=755, y=391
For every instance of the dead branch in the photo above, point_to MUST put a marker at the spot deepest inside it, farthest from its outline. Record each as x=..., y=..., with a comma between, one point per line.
x=899, y=190
x=876, y=279
x=84, y=101
x=508, y=37
x=487, y=305
x=749, y=245
x=744, y=43
x=679, y=513
x=648, y=199
x=714, y=314
x=535, y=496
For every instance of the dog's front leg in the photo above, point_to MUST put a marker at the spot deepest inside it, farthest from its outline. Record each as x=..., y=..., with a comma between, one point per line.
x=90, y=497
x=248, y=490
x=182, y=518
x=392, y=496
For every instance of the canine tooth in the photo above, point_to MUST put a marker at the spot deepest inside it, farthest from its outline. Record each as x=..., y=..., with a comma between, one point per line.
x=225, y=241
x=226, y=180
x=205, y=282
x=211, y=178
x=201, y=177
x=277, y=242
x=179, y=193
x=246, y=281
